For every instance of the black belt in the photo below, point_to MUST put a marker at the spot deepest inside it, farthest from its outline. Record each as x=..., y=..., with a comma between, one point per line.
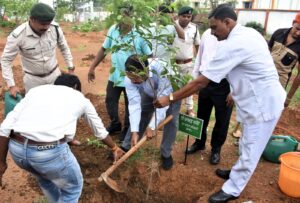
x=43, y=74
x=20, y=139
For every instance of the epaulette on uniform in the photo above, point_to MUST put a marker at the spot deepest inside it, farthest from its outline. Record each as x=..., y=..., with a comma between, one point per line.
x=18, y=30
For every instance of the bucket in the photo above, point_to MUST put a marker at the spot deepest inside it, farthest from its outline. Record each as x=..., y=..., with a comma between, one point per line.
x=289, y=175
x=10, y=102
x=277, y=145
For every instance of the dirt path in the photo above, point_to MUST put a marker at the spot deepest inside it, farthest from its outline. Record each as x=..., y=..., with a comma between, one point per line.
x=193, y=182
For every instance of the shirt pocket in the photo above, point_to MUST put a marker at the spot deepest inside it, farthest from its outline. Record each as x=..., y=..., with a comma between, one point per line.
x=288, y=59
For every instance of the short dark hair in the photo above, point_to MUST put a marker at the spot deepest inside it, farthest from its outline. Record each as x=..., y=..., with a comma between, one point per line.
x=68, y=80
x=135, y=62
x=223, y=11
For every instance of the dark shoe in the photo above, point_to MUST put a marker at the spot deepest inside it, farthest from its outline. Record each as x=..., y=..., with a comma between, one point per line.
x=167, y=163
x=114, y=129
x=215, y=158
x=223, y=173
x=194, y=148
x=221, y=197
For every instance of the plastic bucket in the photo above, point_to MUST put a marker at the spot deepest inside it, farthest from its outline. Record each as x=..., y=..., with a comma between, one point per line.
x=289, y=175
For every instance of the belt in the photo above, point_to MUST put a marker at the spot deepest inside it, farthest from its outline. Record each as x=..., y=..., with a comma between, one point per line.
x=20, y=139
x=179, y=61
x=43, y=74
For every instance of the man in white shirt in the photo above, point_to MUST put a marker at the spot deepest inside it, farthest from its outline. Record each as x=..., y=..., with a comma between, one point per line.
x=37, y=131
x=141, y=88
x=185, y=48
x=244, y=59
x=213, y=96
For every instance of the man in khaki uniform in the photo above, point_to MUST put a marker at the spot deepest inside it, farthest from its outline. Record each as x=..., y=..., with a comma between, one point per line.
x=185, y=48
x=285, y=50
x=36, y=42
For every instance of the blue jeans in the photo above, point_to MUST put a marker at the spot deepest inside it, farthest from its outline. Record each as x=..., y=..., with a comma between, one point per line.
x=56, y=169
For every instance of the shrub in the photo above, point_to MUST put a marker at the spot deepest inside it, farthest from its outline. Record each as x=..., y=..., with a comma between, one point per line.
x=8, y=24
x=89, y=26
x=257, y=26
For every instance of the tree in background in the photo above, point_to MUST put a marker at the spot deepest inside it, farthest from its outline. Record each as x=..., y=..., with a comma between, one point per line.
x=18, y=10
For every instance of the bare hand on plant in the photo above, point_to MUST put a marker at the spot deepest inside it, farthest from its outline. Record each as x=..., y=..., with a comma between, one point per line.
x=161, y=102
x=134, y=138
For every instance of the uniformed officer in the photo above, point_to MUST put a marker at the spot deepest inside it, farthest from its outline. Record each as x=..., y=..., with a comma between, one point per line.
x=185, y=48
x=36, y=41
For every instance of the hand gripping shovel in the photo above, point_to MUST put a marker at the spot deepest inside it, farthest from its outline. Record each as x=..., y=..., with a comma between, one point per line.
x=105, y=176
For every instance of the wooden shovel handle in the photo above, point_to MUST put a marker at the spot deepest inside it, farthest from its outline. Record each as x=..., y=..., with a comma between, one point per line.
x=135, y=148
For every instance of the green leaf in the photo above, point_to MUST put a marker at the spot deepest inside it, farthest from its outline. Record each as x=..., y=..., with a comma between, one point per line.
x=112, y=70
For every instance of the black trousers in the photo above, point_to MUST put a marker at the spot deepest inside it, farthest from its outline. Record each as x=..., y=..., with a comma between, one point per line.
x=113, y=94
x=214, y=95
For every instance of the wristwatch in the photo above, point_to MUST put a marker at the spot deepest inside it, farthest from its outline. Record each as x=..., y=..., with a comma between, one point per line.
x=171, y=98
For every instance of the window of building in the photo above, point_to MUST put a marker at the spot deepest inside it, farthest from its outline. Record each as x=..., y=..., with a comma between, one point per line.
x=247, y=4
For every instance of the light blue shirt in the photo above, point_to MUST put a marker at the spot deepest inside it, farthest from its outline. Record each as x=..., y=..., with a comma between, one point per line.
x=118, y=58
x=162, y=87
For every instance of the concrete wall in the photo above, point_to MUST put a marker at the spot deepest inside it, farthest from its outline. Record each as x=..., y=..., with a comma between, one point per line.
x=270, y=19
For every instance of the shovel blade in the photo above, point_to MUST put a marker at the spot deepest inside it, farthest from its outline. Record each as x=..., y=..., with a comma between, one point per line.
x=111, y=183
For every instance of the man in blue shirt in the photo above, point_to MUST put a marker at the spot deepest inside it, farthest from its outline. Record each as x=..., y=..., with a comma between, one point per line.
x=143, y=83
x=118, y=35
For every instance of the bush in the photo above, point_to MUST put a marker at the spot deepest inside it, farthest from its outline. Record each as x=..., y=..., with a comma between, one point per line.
x=257, y=26
x=90, y=26
x=8, y=24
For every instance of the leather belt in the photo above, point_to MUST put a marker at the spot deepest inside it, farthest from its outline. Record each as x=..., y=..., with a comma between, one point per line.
x=43, y=74
x=179, y=61
x=20, y=139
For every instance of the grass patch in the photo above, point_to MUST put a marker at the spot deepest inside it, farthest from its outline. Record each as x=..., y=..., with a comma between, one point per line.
x=95, y=142
x=41, y=199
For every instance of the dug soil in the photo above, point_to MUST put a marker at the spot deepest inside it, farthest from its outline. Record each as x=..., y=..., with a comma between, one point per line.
x=141, y=176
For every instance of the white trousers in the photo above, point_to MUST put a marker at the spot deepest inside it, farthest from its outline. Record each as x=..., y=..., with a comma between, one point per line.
x=251, y=146
x=187, y=69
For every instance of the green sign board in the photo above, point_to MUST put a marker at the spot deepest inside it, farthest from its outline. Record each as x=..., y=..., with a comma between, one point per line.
x=190, y=125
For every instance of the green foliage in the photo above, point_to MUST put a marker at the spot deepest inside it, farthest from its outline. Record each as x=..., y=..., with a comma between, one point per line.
x=16, y=9
x=89, y=26
x=95, y=143
x=8, y=24
x=257, y=26
x=180, y=137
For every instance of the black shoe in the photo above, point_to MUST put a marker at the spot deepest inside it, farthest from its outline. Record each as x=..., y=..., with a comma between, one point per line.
x=221, y=197
x=114, y=129
x=167, y=163
x=194, y=148
x=214, y=158
x=223, y=173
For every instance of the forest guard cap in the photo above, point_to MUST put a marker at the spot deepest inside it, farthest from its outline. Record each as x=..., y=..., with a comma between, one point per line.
x=42, y=12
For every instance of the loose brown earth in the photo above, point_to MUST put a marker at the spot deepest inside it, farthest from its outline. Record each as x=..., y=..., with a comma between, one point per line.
x=193, y=182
